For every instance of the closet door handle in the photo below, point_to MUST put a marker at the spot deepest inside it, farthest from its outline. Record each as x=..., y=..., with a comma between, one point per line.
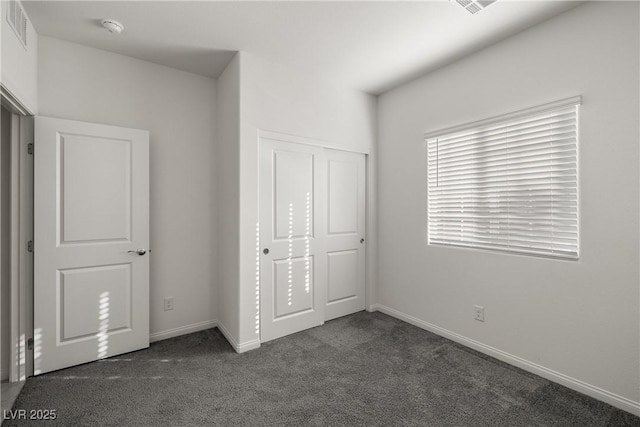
x=138, y=251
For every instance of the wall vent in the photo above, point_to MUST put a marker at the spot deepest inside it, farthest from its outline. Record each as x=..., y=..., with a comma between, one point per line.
x=474, y=6
x=17, y=19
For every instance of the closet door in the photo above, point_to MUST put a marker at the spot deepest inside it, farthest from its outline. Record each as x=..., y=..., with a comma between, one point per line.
x=345, y=230
x=293, y=259
x=312, y=223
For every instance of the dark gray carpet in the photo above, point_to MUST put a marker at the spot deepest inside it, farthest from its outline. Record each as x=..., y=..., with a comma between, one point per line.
x=363, y=369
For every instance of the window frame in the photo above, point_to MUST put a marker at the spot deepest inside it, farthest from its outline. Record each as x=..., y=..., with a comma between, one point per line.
x=505, y=120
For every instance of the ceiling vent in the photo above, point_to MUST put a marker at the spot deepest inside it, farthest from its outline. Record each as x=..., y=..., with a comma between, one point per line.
x=474, y=6
x=17, y=19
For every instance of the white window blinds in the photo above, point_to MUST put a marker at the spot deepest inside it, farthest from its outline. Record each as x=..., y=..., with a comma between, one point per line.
x=509, y=183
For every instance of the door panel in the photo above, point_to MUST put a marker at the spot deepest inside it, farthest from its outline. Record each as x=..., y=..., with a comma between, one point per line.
x=343, y=275
x=346, y=228
x=87, y=291
x=292, y=275
x=312, y=213
x=292, y=286
x=86, y=164
x=293, y=190
x=91, y=199
x=343, y=197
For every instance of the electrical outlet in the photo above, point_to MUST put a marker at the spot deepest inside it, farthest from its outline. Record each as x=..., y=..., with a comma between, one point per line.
x=478, y=313
x=168, y=303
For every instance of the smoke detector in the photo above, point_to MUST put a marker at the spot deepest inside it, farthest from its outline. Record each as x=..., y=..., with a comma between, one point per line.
x=112, y=25
x=474, y=6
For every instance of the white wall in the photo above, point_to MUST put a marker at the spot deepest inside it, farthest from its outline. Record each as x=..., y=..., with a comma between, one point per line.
x=228, y=196
x=282, y=99
x=5, y=247
x=18, y=65
x=579, y=319
x=81, y=83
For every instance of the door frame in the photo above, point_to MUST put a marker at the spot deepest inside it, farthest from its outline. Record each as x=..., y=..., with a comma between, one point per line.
x=21, y=232
x=370, y=201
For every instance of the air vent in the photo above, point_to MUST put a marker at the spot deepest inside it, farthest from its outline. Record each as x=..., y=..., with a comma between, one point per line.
x=474, y=6
x=17, y=19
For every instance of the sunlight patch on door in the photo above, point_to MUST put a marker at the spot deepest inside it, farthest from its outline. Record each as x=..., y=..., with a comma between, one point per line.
x=37, y=351
x=103, y=328
x=21, y=356
x=258, y=278
x=290, y=257
x=307, y=233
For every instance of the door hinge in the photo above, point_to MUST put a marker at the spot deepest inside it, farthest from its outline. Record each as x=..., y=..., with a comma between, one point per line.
x=30, y=344
x=30, y=246
x=30, y=148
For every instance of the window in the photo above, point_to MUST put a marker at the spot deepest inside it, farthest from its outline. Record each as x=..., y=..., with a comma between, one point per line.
x=508, y=183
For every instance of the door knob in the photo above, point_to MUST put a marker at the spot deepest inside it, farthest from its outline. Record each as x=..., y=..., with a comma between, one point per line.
x=266, y=251
x=138, y=251
x=361, y=241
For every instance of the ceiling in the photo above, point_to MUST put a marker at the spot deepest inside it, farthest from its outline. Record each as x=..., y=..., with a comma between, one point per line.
x=367, y=45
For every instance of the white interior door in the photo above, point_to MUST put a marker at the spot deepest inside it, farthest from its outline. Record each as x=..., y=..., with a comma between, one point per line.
x=312, y=221
x=344, y=241
x=91, y=228
x=293, y=263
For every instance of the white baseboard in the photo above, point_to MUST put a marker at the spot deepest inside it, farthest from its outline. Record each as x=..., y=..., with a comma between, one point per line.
x=558, y=377
x=248, y=345
x=228, y=336
x=182, y=330
x=238, y=347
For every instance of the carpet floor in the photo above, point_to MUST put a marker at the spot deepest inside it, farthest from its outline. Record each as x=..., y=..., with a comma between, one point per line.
x=364, y=369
